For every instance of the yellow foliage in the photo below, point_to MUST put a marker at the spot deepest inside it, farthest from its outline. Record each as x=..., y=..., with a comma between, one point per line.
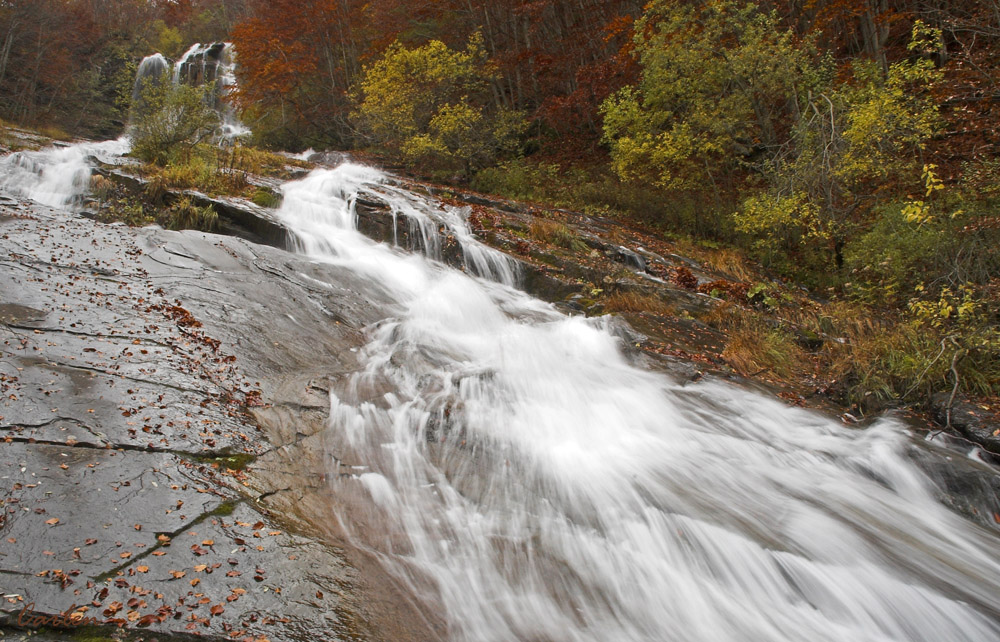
x=715, y=77
x=424, y=104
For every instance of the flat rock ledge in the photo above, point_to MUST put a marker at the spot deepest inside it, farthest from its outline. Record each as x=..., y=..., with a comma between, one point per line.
x=146, y=402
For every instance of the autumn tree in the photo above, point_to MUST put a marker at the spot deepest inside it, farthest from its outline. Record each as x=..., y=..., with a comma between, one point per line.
x=298, y=61
x=71, y=62
x=853, y=140
x=430, y=104
x=719, y=83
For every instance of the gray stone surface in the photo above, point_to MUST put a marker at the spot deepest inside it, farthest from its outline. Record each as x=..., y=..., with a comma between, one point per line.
x=141, y=370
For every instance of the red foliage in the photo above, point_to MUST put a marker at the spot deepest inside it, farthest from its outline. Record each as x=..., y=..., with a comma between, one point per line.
x=731, y=290
x=683, y=277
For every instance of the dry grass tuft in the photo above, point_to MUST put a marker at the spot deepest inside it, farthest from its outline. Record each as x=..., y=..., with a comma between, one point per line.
x=755, y=346
x=637, y=302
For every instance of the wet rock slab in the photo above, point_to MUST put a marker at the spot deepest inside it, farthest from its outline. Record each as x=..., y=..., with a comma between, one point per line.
x=130, y=363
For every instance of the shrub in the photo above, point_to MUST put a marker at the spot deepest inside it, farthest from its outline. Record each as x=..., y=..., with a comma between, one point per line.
x=169, y=120
x=429, y=105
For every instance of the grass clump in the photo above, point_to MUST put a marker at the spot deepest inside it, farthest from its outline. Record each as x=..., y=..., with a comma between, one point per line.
x=183, y=214
x=757, y=344
x=265, y=197
x=636, y=302
x=555, y=233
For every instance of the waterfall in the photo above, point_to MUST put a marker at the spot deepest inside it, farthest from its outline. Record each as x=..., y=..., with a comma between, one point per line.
x=215, y=62
x=151, y=72
x=527, y=480
x=56, y=176
x=199, y=65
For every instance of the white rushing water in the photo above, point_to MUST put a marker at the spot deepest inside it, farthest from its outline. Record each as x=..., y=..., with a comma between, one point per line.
x=224, y=71
x=520, y=474
x=55, y=176
x=528, y=480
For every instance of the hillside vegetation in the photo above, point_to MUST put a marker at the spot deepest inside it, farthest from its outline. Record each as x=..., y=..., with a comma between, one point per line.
x=845, y=146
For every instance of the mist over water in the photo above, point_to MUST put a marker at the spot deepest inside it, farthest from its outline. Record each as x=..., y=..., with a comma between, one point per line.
x=530, y=480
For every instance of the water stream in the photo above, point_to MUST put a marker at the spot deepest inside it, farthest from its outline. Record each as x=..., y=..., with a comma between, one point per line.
x=519, y=472
x=529, y=479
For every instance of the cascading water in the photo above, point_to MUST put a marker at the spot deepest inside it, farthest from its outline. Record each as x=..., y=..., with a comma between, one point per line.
x=60, y=176
x=56, y=176
x=215, y=62
x=151, y=72
x=524, y=477
x=200, y=65
x=528, y=480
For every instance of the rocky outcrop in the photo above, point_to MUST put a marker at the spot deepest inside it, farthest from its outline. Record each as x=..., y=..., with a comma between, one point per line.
x=974, y=423
x=153, y=420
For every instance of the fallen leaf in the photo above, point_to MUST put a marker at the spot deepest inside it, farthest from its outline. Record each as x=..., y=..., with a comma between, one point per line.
x=178, y=574
x=53, y=521
x=195, y=582
x=142, y=569
x=217, y=610
x=207, y=542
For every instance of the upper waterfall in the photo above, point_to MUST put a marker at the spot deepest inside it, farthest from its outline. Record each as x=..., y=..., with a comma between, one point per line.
x=152, y=70
x=200, y=65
